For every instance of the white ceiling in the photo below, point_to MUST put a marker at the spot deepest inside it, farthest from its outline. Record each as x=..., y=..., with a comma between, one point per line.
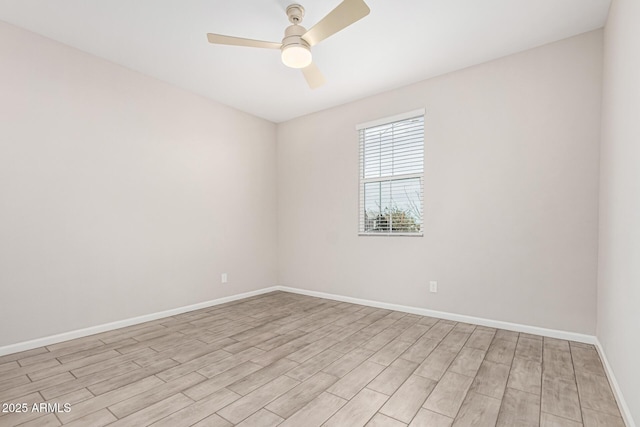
x=400, y=42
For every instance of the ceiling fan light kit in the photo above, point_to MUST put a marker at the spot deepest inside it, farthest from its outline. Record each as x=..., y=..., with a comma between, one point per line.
x=297, y=42
x=296, y=56
x=295, y=50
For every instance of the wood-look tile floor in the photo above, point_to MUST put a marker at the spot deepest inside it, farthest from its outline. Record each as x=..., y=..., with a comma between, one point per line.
x=283, y=359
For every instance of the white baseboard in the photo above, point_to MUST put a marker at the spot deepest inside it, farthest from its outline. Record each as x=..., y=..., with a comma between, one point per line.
x=622, y=404
x=535, y=330
x=553, y=333
x=54, y=339
x=40, y=342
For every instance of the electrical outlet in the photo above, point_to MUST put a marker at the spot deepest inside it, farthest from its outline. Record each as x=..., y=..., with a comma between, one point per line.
x=224, y=278
x=433, y=286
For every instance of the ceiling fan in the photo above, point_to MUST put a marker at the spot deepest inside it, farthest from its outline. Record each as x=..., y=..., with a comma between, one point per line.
x=297, y=42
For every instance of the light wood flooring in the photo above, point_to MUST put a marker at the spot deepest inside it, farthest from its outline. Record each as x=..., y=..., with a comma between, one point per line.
x=283, y=359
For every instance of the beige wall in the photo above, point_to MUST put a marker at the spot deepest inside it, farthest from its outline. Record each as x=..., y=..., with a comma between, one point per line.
x=619, y=257
x=121, y=195
x=511, y=194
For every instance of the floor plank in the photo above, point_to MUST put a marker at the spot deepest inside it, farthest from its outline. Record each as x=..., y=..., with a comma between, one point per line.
x=155, y=412
x=560, y=397
x=252, y=402
x=519, y=409
x=200, y=410
x=349, y=385
x=426, y=418
x=480, y=339
x=296, y=398
x=598, y=419
x=491, y=379
x=262, y=418
x=407, y=400
x=549, y=420
x=526, y=375
x=501, y=351
x=478, y=411
x=393, y=376
x=156, y=394
x=380, y=420
x=529, y=348
x=468, y=361
x=359, y=410
x=595, y=393
x=586, y=359
x=436, y=364
x=316, y=412
x=448, y=395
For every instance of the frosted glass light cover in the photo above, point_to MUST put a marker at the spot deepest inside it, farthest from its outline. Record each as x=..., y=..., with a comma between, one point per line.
x=296, y=56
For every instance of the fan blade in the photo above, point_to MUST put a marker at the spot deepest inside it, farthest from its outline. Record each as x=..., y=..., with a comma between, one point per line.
x=237, y=41
x=314, y=77
x=347, y=12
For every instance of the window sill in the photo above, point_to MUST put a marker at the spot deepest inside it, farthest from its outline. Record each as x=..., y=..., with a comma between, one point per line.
x=392, y=234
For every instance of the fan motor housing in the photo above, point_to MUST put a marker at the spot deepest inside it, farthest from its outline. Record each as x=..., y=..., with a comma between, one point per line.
x=293, y=37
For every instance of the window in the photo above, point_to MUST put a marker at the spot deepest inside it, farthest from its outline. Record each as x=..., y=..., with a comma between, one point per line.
x=392, y=175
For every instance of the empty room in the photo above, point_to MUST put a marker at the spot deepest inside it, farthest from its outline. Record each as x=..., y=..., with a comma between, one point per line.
x=346, y=213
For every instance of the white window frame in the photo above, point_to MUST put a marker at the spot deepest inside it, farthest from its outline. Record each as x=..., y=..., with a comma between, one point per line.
x=362, y=180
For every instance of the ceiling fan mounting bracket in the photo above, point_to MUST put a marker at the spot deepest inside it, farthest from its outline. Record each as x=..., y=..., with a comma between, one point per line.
x=295, y=13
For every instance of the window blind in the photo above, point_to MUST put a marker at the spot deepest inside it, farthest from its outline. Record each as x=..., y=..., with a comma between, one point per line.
x=391, y=176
